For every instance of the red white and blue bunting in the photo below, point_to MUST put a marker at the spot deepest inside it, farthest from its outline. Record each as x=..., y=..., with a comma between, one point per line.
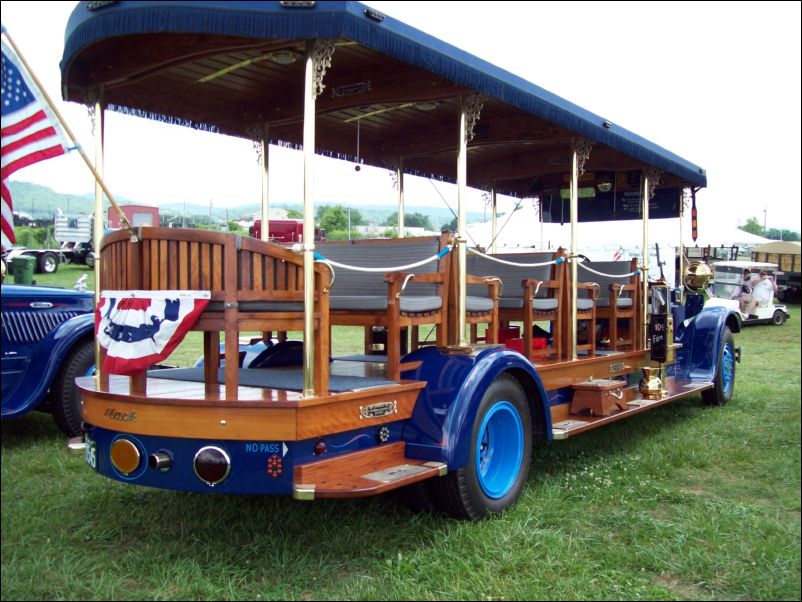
x=141, y=328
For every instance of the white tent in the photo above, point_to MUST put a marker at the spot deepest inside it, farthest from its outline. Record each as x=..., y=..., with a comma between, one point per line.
x=522, y=231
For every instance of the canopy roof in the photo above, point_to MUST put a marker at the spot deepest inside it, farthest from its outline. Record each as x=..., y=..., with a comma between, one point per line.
x=229, y=67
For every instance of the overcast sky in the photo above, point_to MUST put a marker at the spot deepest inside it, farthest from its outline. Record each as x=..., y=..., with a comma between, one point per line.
x=716, y=83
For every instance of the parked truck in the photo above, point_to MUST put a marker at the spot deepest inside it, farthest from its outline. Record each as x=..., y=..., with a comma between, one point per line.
x=137, y=215
x=787, y=256
x=285, y=230
x=74, y=235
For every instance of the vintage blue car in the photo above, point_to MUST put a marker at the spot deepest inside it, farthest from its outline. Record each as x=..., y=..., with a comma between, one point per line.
x=47, y=340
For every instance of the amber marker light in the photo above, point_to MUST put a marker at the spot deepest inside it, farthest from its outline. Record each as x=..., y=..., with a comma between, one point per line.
x=212, y=465
x=125, y=456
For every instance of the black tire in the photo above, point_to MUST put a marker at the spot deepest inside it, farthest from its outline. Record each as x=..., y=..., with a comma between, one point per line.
x=724, y=381
x=89, y=260
x=64, y=398
x=48, y=263
x=463, y=493
x=778, y=318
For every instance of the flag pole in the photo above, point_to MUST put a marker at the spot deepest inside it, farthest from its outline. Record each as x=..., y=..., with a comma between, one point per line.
x=71, y=136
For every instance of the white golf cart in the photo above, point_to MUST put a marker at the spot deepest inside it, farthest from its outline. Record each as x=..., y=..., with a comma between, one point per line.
x=725, y=292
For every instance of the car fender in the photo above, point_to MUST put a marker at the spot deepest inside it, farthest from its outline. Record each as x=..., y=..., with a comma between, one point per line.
x=45, y=362
x=700, y=337
x=442, y=422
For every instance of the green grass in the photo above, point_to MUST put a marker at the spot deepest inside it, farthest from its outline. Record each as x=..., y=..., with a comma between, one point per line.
x=682, y=502
x=64, y=277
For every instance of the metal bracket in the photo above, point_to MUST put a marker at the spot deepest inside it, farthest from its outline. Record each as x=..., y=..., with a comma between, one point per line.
x=472, y=105
x=653, y=176
x=322, y=51
x=582, y=147
x=304, y=492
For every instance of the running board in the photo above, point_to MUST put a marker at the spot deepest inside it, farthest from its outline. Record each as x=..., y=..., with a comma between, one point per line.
x=362, y=473
x=574, y=424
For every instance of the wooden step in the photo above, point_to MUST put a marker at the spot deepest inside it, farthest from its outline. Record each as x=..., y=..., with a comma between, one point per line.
x=362, y=473
x=573, y=424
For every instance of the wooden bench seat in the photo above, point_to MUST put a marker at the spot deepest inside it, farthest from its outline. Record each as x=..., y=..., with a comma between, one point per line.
x=254, y=286
x=393, y=300
x=528, y=294
x=617, y=300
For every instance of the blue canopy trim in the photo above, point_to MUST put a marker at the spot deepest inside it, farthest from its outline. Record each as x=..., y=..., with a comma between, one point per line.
x=388, y=36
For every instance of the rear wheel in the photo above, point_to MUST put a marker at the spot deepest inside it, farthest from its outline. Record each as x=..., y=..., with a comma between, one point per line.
x=65, y=400
x=48, y=263
x=724, y=381
x=500, y=454
x=778, y=318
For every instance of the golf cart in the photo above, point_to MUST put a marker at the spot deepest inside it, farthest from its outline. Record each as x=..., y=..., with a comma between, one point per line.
x=724, y=292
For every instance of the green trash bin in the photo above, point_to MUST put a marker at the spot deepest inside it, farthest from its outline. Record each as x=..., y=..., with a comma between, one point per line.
x=24, y=267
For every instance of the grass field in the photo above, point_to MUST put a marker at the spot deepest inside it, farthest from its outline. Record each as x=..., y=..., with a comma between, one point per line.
x=682, y=502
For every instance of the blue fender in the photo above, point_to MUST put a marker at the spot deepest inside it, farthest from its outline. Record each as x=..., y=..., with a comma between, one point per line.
x=701, y=344
x=45, y=363
x=442, y=423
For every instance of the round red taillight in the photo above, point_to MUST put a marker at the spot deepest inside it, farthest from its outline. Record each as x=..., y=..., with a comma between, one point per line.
x=212, y=465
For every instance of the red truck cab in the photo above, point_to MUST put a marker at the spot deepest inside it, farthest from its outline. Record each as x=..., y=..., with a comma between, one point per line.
x=285, y=230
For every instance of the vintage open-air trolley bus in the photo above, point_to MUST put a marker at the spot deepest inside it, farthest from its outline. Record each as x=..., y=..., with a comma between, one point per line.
x=453, y=418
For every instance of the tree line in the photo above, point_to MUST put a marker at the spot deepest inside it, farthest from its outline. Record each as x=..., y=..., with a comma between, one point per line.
x=754, y=227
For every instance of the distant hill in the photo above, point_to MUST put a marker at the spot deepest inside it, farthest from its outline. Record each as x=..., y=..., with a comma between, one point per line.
x=41, y=202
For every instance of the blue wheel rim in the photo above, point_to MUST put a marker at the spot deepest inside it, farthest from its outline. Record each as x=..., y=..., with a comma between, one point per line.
x=727, y=368
x=499, y=449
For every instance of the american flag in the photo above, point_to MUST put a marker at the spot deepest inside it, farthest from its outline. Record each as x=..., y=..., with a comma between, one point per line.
x=30, y=131
x=618, y=254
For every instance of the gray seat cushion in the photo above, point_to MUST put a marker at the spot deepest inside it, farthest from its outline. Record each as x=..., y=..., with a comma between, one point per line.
x=623, y=302
x=478, y=304
x=538, y=304
x=544, y=304
x=259, y=306
x=412, y=304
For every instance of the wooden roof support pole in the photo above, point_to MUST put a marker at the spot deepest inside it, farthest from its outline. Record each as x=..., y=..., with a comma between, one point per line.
x=680, y=282
x=574, y=190
x=265, y=144
x=462, y=190
x=97, y=227
x=309, y=221
x=494, y=224
x=470, y=110
x=400, y=173
x=645, y=256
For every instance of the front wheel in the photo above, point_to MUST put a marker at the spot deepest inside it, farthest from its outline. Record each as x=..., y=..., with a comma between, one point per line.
x=778, y=318
x=724, y=381
x=500, y=454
